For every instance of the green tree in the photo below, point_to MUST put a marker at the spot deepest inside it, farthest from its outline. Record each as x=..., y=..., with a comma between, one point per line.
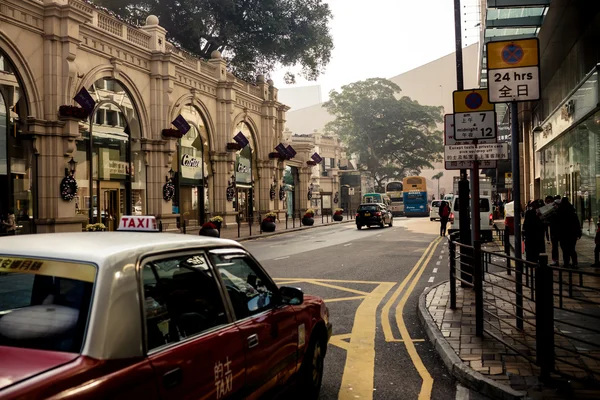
x=254, y=36
x=392, y=136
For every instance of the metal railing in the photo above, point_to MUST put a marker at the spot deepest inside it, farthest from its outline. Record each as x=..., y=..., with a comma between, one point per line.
x=547, y=315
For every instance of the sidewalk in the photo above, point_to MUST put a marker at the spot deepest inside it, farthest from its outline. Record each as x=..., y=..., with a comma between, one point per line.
x=247, y=232
x=486, y=365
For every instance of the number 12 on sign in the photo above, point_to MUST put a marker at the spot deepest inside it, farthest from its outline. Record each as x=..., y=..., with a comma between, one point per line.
x=478, y=125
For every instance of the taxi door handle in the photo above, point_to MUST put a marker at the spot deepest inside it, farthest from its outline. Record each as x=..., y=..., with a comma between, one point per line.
x=252, y=341
x=172, y=378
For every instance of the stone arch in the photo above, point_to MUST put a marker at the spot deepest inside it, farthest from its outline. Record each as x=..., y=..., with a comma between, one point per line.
x=109, y=71
x=208, y=120
x=24, y=73
x=243, y=117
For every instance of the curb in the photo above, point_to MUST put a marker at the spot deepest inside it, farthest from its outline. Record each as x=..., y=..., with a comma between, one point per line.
x=292, y=230
x=464, y=374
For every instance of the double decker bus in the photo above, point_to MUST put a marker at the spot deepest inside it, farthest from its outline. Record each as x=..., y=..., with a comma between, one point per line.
x=381, y=198
x=394, y=191
x=415, y=196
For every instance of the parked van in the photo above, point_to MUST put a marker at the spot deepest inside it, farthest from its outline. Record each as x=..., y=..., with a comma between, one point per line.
x=485, y=215
x=434, y=210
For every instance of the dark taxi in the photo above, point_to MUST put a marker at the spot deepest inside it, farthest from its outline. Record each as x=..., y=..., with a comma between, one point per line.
x=140, y=315
x=373, y=214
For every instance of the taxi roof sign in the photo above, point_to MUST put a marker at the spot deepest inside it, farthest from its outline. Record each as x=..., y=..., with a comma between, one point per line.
x=473, y=100
x=513, y=54
x=138, y=223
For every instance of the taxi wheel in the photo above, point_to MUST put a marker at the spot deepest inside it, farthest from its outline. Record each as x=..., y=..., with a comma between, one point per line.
x=312, y=374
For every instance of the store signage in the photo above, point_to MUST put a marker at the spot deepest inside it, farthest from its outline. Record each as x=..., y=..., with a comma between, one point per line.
x=85, y=100
x=508, y=180
x=316, y=158
x=572, y=110
x=117, y=167
x=449, y=141
x=181, y=124
x=466, y=152
x=189, y=161
x=513, y=70
x=241, y=139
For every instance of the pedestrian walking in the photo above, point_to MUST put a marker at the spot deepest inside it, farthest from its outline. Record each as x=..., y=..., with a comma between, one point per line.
x=552, y=224
x=533, y=232
x=10, y=224
x=569, y=232
x=444, y=213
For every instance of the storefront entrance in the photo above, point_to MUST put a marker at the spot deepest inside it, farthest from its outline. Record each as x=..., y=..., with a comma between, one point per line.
x=112, y=201
x=243, y=204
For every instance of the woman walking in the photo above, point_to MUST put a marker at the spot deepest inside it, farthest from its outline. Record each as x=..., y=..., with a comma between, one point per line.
x=444, y=213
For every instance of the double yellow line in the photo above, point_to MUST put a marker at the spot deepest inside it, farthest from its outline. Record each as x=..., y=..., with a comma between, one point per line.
x=417, y=272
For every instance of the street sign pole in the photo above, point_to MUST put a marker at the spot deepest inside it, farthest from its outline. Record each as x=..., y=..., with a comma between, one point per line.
x=463, y=184
x=516, y=176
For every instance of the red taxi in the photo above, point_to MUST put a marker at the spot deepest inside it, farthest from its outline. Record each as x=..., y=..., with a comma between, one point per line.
x=132, y=315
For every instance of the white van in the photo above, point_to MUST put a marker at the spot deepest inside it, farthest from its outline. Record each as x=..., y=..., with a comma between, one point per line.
x=485, y=215
x=434, y=210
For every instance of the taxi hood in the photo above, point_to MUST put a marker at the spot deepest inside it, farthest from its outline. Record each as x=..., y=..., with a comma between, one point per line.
x=26, y=363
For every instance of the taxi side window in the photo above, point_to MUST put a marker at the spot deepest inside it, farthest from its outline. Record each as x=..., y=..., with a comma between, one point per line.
x=181, y=298
x=249, y=290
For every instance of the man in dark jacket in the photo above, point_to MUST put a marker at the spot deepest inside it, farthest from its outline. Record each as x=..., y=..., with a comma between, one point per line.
x=569, y=232
x=533, y=233
x=552, y=224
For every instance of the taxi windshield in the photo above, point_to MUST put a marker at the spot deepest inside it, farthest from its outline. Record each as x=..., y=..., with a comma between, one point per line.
x=44, y=304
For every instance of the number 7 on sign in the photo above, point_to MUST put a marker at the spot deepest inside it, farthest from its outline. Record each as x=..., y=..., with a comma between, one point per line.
x=482, y=116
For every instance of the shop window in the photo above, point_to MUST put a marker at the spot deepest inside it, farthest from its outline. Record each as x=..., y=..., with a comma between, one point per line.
x=182, y=299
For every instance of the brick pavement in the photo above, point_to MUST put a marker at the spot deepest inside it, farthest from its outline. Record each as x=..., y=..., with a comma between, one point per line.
x=498, y=362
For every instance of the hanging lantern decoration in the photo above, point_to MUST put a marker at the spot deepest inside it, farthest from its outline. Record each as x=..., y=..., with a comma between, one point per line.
x=168, y=190
x=281, y=193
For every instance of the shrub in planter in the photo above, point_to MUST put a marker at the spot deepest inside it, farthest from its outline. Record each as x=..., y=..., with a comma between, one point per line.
x=268, y=223
x=338, y=214
x=209, y=229
x=174, y=133
x=99, y=227
x=217, y=220
x=308, y=218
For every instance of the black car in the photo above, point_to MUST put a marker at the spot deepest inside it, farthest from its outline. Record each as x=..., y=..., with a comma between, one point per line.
x=371, y=214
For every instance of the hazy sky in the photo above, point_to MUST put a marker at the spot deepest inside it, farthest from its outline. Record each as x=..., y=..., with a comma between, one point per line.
x=384, y=38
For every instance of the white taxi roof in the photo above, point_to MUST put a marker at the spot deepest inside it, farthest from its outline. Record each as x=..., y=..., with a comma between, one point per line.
x=115, y=304
x=98, y=247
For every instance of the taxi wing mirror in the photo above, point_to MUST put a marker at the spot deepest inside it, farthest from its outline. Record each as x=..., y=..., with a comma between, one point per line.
x=291, y=295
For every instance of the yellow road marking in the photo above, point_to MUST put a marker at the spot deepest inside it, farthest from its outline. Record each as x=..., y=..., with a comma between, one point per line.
x=343, y=299
x=317, y=282
x=339, y=341
x=385, y=312
x=329, y=280
x=359, y=371
x=289, y=282
x=410, y=347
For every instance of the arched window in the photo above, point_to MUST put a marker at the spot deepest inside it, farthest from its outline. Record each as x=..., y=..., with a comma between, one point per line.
x=245, y=165
x=193, y=164
x=17, y=162
x=111, y=173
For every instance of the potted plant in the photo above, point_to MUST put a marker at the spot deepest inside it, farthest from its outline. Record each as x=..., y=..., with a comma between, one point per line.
x=173, y=133
x=209, y=229
x=234, y=146
x=308, y=218
x=338, y=214
x=217, y=220
x=99, y=227
x=68, y=111
x=268, y=223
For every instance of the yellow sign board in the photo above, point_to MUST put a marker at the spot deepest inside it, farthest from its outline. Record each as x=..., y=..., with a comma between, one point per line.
x=513, y=54
x=467, y=101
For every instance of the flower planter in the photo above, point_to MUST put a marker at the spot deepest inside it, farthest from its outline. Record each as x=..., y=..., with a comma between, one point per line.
x=174, y=133
x=338, y=217
x=72, y=112
x=308, y=221
x=234, y=146
x=311, y=163
x=210, y=232
x=268, y=226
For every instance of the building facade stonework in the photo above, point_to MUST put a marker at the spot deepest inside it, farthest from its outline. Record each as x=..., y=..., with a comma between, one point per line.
x=51, y=49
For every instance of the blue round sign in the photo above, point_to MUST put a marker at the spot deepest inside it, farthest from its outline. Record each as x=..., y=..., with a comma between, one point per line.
x=512, y=54
x=473, y=100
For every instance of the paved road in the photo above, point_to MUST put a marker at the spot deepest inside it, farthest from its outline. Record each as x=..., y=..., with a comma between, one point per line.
x=371, y=280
